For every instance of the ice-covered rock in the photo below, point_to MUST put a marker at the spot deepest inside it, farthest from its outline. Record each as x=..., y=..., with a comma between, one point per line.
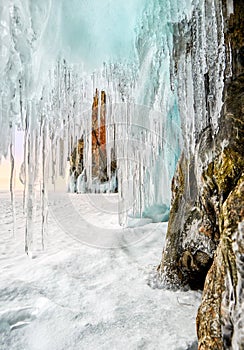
x=205, y=225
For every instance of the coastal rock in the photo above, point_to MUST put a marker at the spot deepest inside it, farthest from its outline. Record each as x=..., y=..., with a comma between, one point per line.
x=204, y=247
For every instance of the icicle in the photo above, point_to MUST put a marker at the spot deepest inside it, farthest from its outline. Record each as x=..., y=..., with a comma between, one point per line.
x=44, y=196
x=30, y=179
x=12, y=179
x=23, y=169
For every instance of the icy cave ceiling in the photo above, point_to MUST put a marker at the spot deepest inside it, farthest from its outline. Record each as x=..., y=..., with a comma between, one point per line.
x=82, y=31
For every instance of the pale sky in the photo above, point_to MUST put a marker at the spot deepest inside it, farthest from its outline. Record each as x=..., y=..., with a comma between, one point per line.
x=5, y=165
x=5, y=176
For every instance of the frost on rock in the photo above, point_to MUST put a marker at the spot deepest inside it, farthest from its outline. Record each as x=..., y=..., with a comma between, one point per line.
x=199, y=66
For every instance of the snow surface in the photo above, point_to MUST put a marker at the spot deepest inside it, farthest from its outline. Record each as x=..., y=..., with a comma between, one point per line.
x=75, y=296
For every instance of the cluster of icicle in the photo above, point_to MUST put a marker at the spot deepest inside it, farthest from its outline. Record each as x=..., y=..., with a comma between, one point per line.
x=142, y=116
x=143, y=120
x=53, y=124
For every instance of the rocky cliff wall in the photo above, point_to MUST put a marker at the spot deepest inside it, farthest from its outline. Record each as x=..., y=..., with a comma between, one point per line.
x=204, y=247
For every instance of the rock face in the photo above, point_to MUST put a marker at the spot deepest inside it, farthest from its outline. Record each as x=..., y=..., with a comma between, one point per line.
x=98, y=154
x=99, y=159
x=205, y=239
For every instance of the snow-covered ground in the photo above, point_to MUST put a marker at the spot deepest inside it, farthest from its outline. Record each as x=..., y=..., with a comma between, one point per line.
x=77, y=295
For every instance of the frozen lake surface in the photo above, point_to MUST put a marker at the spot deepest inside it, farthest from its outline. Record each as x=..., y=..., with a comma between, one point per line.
x=78, y=295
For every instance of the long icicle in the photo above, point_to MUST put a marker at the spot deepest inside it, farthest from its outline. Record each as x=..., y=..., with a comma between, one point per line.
x=11, y=187
x=44, y=201
x=29, y=184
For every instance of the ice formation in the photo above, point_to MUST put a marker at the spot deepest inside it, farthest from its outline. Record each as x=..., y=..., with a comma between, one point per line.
x=53, y=58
